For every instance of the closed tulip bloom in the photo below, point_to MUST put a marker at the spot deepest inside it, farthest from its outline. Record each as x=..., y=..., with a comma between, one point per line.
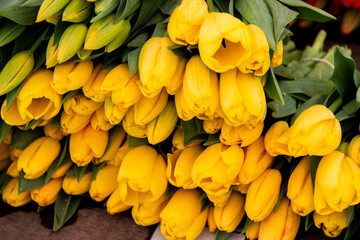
x=36, y=158
x=262, y=195
x=178, y=170
x=15, y=153
x=257, y=160
x=273, y=133
x=243, y=135
x=185, y=22
x=148, y=212
x=299, y=190
x=316, y=131
x=51, y=53
x=278, y=56
x=11, y=196
x=242, y=98
x=113, y=113
x=120, y=154
x=117, y=139
x=163, y=125
x=71, y=75
x=71, y=41
x=159, y=67
x=77, y=11
x=121, y=36
x=252, y=232
x=201, y=88
x=182, y=218
x=87, y=144
x=217, y=167
x=104, y=184
x=92, y=88
x=54, y=19
x=131, y=128
x=4, y=151
x=12, y=169
x=224, y=42
x=114, y=204
x=147, y=109
x=335, y=171
x=72, y=187
x=99, y=121
x=62, y=170
x=210, y=219
x=142, y=176
x=183, y=110
x=121, y=86
x=243, y=188
x=73, y=122
x=81, y=105
x=354, y=149
x=332, y=224
x=47, y=194
x=219, y=200
x=53, y=131
x=12, y=116
x=280, y=225
x=49, y=8
x=213, y=125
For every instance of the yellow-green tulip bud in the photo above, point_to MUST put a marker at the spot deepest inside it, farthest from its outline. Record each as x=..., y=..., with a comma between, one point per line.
x=47, y=194
x=227, y=160
x=178, y=141
x=142, y=176
x=212, y=126
x=259, y=60
x=131, y=128
x=36, y=158
x=182, y=109
x=300, y=190
x=224, y=42
x=99, y=121
x=282, y=224
x=71, y=75
x=257, y=160
x=49, y=8
x=11, y=196
x=335, y=171
x=104, y=184
x=117, y=140
x=73, y=122
x=148, y=213
x=121, y=86
x=4, y=151
x=113, y=114
x=114, y=203
x=120, y=154
x=120, y=37
x=62, y=170
x=81, y=105
x=182, y=217
x=16, y=70
x=274, y=132
x=278, y=56
x=12, y=169
x=178, y=170
x=332, y=224
x=103, y=5
x=354, y=149
x=54, y=19
x=242, y=98
x=252, y=232
x=243, y=134
x=72, y=187
x=71, y=41
x=51, y=53
x=77, y=11
x=185, y=22
x=92, y=88
x=316, y=131
x=87, y=144
x=219, y=200
x=262, y=195
x=159, y=67
x=53, y=131
x=12, y=116
x=163, y=125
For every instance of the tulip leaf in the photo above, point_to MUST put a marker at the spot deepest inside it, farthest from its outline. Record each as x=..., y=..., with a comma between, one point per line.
x=106, y=12
x=65, y=208
x=248, y=221
x=180, y=51
x=112, y=134
x=223, y=5
x=160, y=30
x=206, y=204
x=4, y=129
x=280, y=111
x=272, y=87
x=136, y=142
x=283, y=72
x=79, y=172
x=30, y=184
x=212, y=139
x=193, y=131
x=10, y=31
x=11, y=96
x=222, y=235
x=147, y=10
x=69, y=95
x=357, y=78
x=351, y=107
x=351, y=230
x=281, y=195
x=314, y=163
x=4, y=180
x=139, y=40
x=59, y=30
x=350, y=215
x=126, y=8
x=309, y=221
x=21, y=139
x=318, y=99
x=342, y=115
x=171, y=191
x=169, y=6
x=133, y=59
x=309, y=87
x=96, y=169
x=21, y=15
x=31, y=124
x=32, y=3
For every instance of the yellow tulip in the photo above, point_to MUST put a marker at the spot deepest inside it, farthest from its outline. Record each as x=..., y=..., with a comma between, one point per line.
x=272, y=134
x=242, y=99
x=104, y=184
x=300, y=190
x=120, y=154
x=332, y=224
x=73, y=122
x=178, y=141
x=219, y=200
x=53, y=131
x=224, y=42
x=72, y=187
x=113, y=114
x=54, y=19
x=242, y=135
x=252, y=232
x=49, y=8
x=62, y=170
x=47, y=194
x=118, y=139
x=15, y=153
x=213, y=125
x=182, y=217
x=337, y=183
x=81, y=105
x=99, y=121
x=354, y=149
x=210, y=219
x=92, y=88
x=278, y=56
x=262, y=195
x=36, y=158
x=185, y=22
x=183, y=110
x=51, y=53
x=12, y=116
x=87, y=144
x=114, y=203
x=243, y=188
x=77, y=11
x=12, y=169
x=131, y=128
x=11, y=196
x=142, y=176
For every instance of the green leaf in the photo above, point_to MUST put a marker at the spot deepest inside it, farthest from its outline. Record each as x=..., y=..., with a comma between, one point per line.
x=169, y=6
x=125, y=11
x=133, y=59
x=280, y=111
x=160, y=30
x=4, y=129
x=212, y=139
x=357, y=78
x=308, y=12
x=318, y=99
x=32, y=3
x=135, y=142
x=106, y=12
x=79, y=172
x=342, y=115
x=350, y=215
x=248, y=221
x=309, y=87
x=180, y=51
x=21, y=15
x=351, y=107
x=115, y=131
x=21, y=139
x=223, y=5
x=10, y=31
x=222, y=235
x=309, y=221
x=314, y=163
x=281, y=195
x=4, y=180
x=68, y=95
x=272, y=88
x=59, y=30
x=351, y=230
x=30, y=184
x=139, y=40
x=148, y=9
x=192, y=129
x=11, y=96
x=65, y=208
x=283, y=72
x=96, y=169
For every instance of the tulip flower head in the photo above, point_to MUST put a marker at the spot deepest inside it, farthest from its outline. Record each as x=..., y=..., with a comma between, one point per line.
x=47, y=194
x=72, y=187
x=92, y=88
x=332, y=224
x=81, y=105
x=11, y=196
x=242, y=135
x=114, y=203
x=104, y=184
x=131, y=128
x=274, y=132
x=278, y=56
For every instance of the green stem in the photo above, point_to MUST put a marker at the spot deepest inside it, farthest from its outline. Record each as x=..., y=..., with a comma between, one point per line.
x=211, y=5
x=336, y=104
x=38, y=41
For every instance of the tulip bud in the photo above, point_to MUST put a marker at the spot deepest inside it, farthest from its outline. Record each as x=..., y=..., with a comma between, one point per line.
x=243, y=188
x=142, y=176
x=243, y=134
x=335, y=171
x=262, y=195
x=278, y=56
x=36, y=158
x=71, y=41
x=121, y=37
x=117, y=140
x=92, y=88
x=185, y=22
x=180, y=163
x=51, y=53
x=49, y=8
x=104, y=184
x=12, y=116
x=47, y=194
x=113, y=114
x=257, y=160
x=219, y=200
x=54, y=19
x=282, y=224
x=354, y=149
x=212, y=126
x=122, y=88
x=53, y=131
x=11, y=196
x=87, y=144
x=99, y=121
x=242, y=99
x=12, y=169
x=159, y=67
x=147, y=109
x=62, y=170
x=15, y=153
x=81, y=105
x=316, y=131
x=71, y=75
x=77, y=11
x=15, y=71
x=72, y=187
x=222, y=34
x=228, y=161
x=114, y=203
x=103, y=5
x=73, y=122
x=332, y=224
x=182, y=109
x=252, y=232
x=131, y=128
x=178, y=141
x=163, y=125
x=120, y=154
x=274, y=132
x=300, y=190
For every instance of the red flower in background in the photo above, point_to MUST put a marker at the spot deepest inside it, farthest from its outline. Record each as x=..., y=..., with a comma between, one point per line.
x=354, y=4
